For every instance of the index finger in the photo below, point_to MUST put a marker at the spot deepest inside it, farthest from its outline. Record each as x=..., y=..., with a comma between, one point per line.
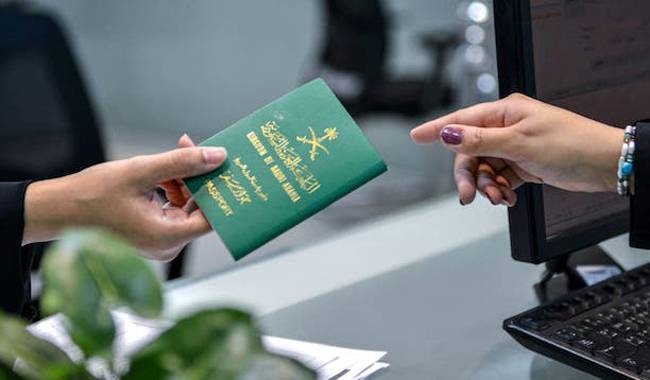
x=492, y=114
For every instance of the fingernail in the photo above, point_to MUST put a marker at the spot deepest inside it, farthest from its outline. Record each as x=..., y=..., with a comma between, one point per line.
x=461, y=202
x=507, y=199
x=452, y=136
x=490, y=199
x=214, y=156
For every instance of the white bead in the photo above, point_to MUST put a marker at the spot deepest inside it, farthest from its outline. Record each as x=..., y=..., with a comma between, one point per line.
x=631, y=146
x=628, y=129
x=624, y=149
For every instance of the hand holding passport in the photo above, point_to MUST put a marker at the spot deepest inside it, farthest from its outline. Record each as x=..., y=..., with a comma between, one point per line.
x=287, y=161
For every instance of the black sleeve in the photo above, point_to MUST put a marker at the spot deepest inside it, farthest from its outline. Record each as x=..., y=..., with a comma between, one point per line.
x=15, y=262
x=640, y=201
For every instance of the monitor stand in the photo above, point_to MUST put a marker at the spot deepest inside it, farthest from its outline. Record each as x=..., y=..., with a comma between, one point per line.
x=574, y=271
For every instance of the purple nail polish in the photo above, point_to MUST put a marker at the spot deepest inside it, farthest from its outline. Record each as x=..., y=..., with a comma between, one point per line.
x=452, y=136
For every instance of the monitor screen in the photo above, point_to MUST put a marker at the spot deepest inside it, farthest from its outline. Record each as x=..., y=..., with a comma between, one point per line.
x=591, y=57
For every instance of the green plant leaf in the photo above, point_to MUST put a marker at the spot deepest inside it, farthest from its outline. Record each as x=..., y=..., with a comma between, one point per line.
x=88, y=272
x=271, y=366
x=39, y=359
x=212, y=344
x=7, y=374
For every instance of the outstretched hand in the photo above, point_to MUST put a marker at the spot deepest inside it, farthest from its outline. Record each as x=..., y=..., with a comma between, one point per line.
x=503, y=144
x=121, y=197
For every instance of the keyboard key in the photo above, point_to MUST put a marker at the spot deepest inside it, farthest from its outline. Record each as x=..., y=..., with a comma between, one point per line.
x=608, y=333
x=627, y=308
x=596, y=296
x=638, y=361
x=643, y=334
x=645, y=316
x=635, y=340
x=532, y=323
x=567, y=335
x=608, y=317
x=631, y=363
x=574, y=306
x=583, y=327
x=623, y=328
x=591, y=300
x=596, y=322
x=623, y=311
x=615, y=351
x=592, y=343
x=639, y=322
x=631, y=323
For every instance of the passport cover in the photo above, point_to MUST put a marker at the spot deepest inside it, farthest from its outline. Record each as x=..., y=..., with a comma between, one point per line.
x=286, y=161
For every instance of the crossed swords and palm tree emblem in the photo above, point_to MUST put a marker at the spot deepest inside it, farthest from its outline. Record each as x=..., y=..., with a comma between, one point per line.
x=316, y=142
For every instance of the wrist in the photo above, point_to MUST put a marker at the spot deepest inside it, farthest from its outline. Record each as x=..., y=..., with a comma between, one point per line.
x=611, y=155
x=50, y=207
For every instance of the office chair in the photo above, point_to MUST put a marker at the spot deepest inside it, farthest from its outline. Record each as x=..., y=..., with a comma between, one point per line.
x=48, y=125
x=353, y=60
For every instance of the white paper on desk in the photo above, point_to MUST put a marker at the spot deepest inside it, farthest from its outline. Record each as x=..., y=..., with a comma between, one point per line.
x=133, y=333
x=328, y=361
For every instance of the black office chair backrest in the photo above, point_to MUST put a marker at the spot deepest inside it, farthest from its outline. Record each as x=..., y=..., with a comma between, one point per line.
x=48, y=126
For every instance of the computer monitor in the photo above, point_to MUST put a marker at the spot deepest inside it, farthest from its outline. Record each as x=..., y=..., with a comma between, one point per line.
x=593, y=58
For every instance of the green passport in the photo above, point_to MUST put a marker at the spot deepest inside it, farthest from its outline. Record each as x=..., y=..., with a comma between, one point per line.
x=286, y=161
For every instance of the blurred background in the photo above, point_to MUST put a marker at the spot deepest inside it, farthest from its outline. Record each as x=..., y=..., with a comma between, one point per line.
x=147, y=71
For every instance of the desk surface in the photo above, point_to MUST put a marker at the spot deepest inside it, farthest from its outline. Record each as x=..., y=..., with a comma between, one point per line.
x=438, y=319
x=430, y=286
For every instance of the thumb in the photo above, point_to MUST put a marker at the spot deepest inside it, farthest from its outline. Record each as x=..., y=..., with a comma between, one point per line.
x=478, y=141
x=179, y=163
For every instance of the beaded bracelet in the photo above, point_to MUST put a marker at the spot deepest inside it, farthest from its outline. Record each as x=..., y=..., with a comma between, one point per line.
x=626, y=161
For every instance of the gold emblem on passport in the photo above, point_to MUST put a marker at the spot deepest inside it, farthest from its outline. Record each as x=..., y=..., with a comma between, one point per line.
x=317, y=142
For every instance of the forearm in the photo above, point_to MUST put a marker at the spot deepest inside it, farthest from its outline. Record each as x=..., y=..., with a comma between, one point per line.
x=50, y=207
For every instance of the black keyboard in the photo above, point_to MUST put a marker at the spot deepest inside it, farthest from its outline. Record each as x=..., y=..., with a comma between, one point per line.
x=603, y=329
